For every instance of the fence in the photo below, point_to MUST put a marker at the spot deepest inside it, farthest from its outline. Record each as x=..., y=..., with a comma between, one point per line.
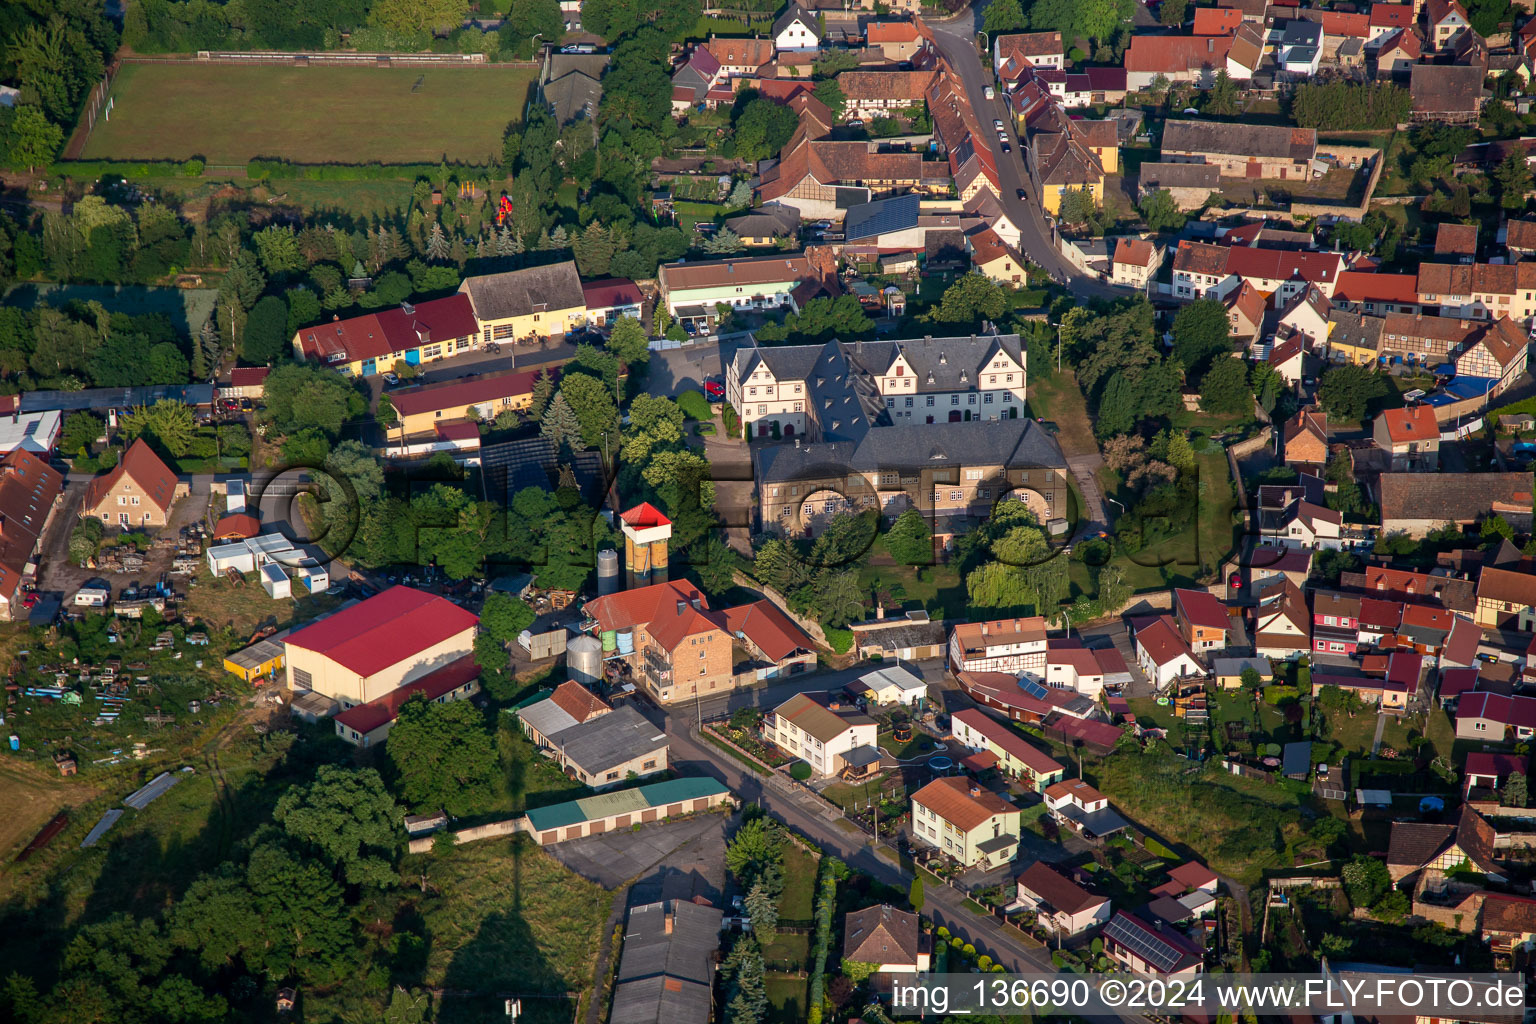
x=94, y=105
x=340, y=57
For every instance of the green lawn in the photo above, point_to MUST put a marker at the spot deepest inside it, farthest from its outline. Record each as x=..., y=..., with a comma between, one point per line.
x=504, y=915
x=1057, y=397
x=940, y=590
x=786, y=997
x=228, y=115
x=796, y=902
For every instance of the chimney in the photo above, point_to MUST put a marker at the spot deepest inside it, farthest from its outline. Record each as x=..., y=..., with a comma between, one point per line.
x=681, y=607
x=983, y=629
x=879, y=611
x=667, y=923
x=975, y=791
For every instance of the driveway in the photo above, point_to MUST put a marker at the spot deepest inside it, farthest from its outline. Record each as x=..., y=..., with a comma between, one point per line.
x=675, y=370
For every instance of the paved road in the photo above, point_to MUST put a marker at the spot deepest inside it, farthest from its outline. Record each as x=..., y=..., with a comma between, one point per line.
x=957, y=41
x=719, y=706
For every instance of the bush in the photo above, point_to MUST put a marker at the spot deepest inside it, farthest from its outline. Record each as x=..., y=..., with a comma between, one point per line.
x=274, y=170
x=840, y=640
x=694, y=405
x=732, y=422
x=1158, y=849
x=800, y=771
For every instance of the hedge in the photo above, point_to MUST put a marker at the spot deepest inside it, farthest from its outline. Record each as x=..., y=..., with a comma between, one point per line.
x=284, y=170
x=826, y=903
x=81, y=170
x=840, y=640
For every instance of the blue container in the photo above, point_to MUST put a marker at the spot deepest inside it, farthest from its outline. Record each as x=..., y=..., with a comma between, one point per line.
x=15, y=742
x=626, y=640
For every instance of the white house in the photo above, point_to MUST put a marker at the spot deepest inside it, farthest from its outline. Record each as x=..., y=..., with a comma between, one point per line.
x=1062, y=906
x=888, y=938
x=1163, y=654
x=795, y=30
x=894, y=685
x=821, y=732
x=977, y=731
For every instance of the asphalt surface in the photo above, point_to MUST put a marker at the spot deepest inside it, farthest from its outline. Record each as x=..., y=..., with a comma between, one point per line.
x=956, y=38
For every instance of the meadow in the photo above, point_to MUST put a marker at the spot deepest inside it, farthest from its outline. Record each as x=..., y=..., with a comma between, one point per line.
x=230, y=114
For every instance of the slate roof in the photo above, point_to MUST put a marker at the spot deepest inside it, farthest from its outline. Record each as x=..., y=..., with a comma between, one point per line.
x=881, y=935
x=666, y=973
x=524, y=292
x=1010, y=443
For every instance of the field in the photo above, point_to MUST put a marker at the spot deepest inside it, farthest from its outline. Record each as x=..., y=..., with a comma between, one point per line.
x=30, y=796
x=225, y=114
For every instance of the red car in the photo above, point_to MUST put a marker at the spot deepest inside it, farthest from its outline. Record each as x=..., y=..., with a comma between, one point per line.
x=714, y=390
x=1235, y=581
x=29, y=601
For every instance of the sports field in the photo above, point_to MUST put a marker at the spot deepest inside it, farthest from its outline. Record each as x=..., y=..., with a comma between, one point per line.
x=229, y=114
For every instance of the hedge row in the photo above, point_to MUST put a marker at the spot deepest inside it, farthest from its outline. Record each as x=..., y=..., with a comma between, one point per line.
x=92, y=169
x=284, y=170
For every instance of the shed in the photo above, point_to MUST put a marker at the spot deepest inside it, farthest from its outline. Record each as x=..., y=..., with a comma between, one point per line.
x=275, y=581
x=1296, y=760
x=425, y=824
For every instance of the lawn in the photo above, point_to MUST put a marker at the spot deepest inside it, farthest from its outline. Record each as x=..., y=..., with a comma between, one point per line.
x=506, y=916
x=786, y=996
x=1180, y=559
x=224, y=114
x=936, y=588
x=797, y=901
x=218, y=603
x=1057, y=397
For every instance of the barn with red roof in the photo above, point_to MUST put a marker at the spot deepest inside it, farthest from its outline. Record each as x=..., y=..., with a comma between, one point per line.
x=368, y=650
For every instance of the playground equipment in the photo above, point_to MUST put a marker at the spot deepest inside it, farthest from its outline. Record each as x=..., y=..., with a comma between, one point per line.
x=503, y=209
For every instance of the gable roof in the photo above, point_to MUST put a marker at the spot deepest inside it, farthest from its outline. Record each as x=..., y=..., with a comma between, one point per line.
x=1057, y=890
x=1162, y=642
x=555, y=286
x=877, y=32
x=1201, y=607
x=1135, y=252
x=384, y=630
x=1455, y=497
x=1413, y=423
x=1164, y=948
x=1361, y=286
x=578, y=701
x=950, y=798
x=818, y=719
x=1456, y=240
x=792, y=15
x=1251, y=140
x=1446, y=88
x=476, y=389
x=144, y=468
x=1391, y=15
x=733, y=51
x=28, y=487
x=1516, y=588
x=1170, y=54
x=881, y=935
x=1217, y=21
x=1008, y=741
x=364, y=718
x=773, y=632
x=1029, y=44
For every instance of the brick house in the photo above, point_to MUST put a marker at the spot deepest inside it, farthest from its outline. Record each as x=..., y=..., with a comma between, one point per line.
x=139, y=491
x=681, y=649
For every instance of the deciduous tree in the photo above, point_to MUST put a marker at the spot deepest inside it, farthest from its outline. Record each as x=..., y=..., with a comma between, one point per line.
x=442, y=755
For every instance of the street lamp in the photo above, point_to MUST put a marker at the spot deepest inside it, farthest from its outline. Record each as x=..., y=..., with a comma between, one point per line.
x=534, y=49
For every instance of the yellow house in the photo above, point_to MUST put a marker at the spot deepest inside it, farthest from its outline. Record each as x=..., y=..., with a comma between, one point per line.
x=422, y=408
x=365, y=345
x=535, y=302
x=993, y=257
x=1353, y=337
x=966, y=822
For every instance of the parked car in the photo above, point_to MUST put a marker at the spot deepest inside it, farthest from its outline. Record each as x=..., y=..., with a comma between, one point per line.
x=1021, y=193
x=714, y=390
x=391, y=379
x=1235, y=581
x=1007, y=148
x=856, y=123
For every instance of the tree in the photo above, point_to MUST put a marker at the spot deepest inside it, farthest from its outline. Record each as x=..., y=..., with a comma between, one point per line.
x=1225, y=388
x=305, y=923
x=442, y=755
x=505, y=616
x=1515, y=794
x=167, y=426
x=1222, y=99
x=1514, y=178
x=527, y=19
x=80, y=430
x=1114, y=591
x=591, y=403
x=1250, y=678
x=1077, y=206
x=724, y=242
x=756, y=845
x=410, y=17
x=1004, y=16
x=1365, y=880
x=559, y=424
x=543, y=391
x=1172, y=14
x=33, y=139
x=1201, y=332
x=1077, y=19
x=829, y=92
x=972, y=298
x=762, y=129
x=491, y=654
x=266, y=331
x=347, y=814
x=1347, y=391
x=278, y=249
x=839, y=599
x=915, y=894
x=628, y=342
x=299, y=395
x=1341, y=105
x=1161, y=211
x=763, y=910
x=385, y=413
x=909, y=540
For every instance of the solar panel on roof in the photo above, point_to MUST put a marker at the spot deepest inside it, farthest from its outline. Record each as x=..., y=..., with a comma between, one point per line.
x=1033, y=688
x=1141, y=943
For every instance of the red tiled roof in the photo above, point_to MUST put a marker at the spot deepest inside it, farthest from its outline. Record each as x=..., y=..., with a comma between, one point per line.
x=248, y=376
x=1411, y=424
x=1162, y=642
x=610, y=292
x=1050, y=885
x=1217, y=21
x=240, y=525
x=1499, y=708
x=630, y=608
x=457, y=430
x=364, y=718
x=1360, y=286
x=384, y=630
x=578, y=701
x=1392, y=15
x=1283, y=265
x=28, y=486
x=644, y=516
x=1168, y=54
x=1202, y=608
x=950, y=798
x=1010, y=742
x=774, y=633
x=390, y=330
x=890, y=32
x=460, y=394
x=144, y=468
